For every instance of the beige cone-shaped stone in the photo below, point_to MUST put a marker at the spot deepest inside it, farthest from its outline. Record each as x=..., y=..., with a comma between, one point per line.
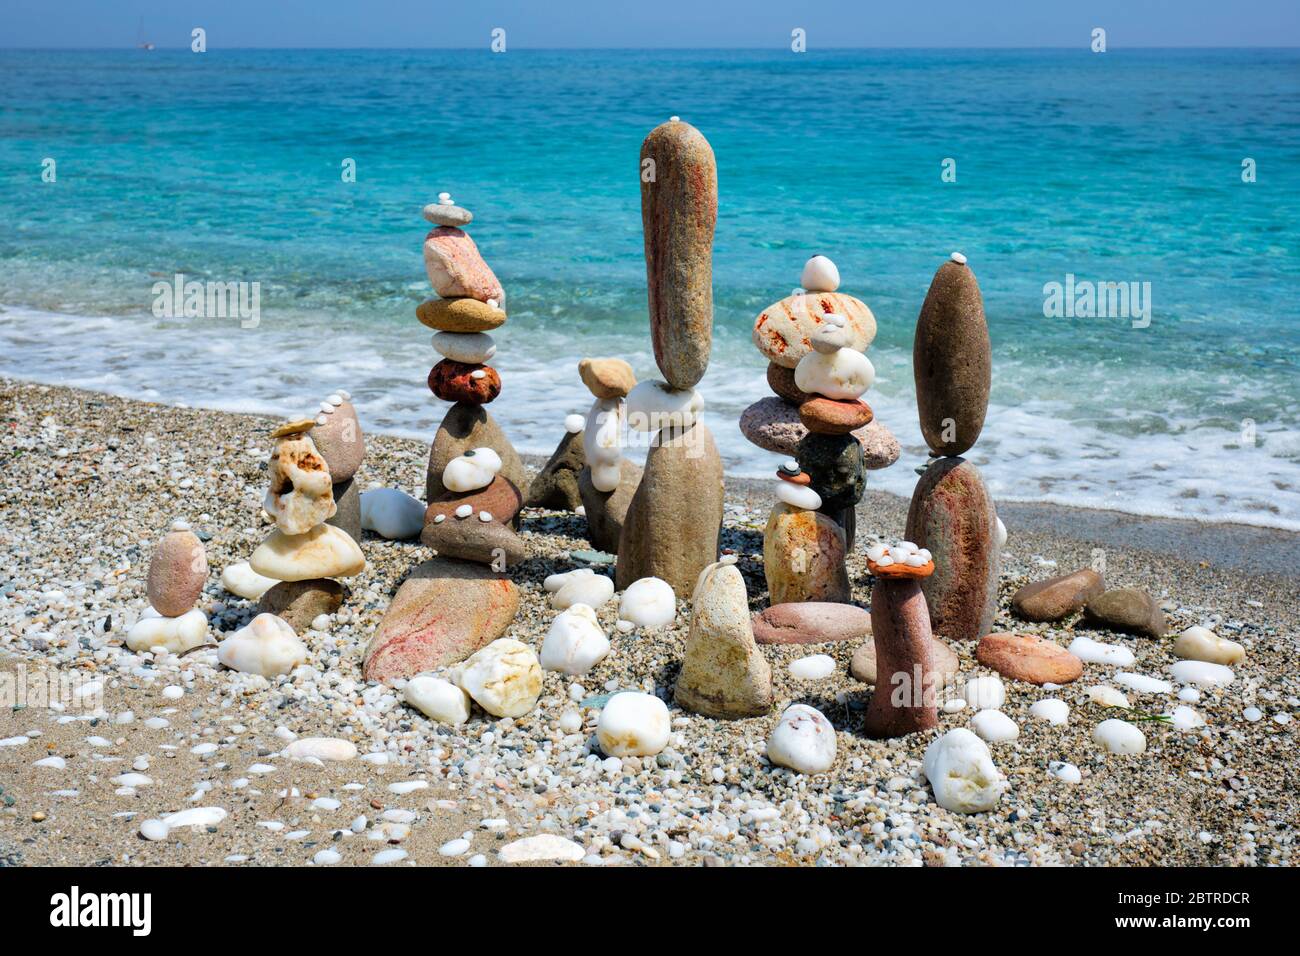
x=469, y=426
x=803, y=557
x=724, y=674
x=672, y=525
x=323, y=552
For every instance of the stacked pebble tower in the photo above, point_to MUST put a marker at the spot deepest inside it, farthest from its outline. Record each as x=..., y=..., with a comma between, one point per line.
x=178, y=570
x=608, y=480
x=803, y=551
x=952, y=513
x=304, y=553
x=469, y=306
x=674, y=519
x=474, y=484
x=814, y=340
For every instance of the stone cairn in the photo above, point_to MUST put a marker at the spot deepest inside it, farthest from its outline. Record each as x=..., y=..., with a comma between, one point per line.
x=952, y=514
x=460, y=601
x=607, y=480
x=674, y=519
x=178, y=569
x=304, y=552
x=814, y=340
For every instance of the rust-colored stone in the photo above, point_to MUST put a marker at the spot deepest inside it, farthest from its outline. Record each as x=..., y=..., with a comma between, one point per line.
x=907, y=676
x=457, y=382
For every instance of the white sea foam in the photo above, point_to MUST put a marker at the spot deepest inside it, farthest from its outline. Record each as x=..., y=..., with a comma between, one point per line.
x=1039, y=443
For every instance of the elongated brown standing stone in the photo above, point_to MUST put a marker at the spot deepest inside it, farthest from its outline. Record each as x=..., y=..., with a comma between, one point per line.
x=672, y=525
x=953, y=516
x=606, y=510
x=952, y=361
x=679, y=209
x=907, y=676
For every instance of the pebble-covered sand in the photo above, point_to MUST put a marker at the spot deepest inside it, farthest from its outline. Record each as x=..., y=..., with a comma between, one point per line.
x=89, y=482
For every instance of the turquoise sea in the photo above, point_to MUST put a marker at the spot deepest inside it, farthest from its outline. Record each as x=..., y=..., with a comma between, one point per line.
x=1118, y=167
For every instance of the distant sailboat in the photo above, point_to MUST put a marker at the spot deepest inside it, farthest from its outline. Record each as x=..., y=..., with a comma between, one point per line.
x=140, y=41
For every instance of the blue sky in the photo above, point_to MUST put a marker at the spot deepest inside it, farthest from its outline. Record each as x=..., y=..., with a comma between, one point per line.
x=650, y=23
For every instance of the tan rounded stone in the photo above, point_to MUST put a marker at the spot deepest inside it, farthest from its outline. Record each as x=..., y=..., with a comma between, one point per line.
x=607, y=377
x=1028, y=658
x=783, y=331
x=803, y=557
x=459, y=315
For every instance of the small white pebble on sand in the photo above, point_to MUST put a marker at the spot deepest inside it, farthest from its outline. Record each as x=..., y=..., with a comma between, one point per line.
x=954, y=705
x=994, y=726
x=1143, y=684
x=1064, y=771
x=1056, y=712
x=407, y=786
x=1189, y=695
x=1095, y=652
x=1107, y=696
x=454, y=848
x=1202, y=674
x=1184, y=718
x=53, y=762
x=1120, y=737
x=814, y=667
x=196, y=817
x=1252, y=714
x=154, y=830
x=172, y=692
x=384, y=857
x=539, y=848
x=985, y=693
x=327, y=857
x=477, y=860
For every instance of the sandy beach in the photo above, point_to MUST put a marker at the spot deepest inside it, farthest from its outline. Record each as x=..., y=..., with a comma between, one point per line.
x=89, y=482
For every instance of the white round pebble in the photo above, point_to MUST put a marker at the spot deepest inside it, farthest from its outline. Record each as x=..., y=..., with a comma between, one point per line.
x=962, y=774
x=814, y=667
x=437, y=699
x=1202, y=673
x=798, y=496
x=1064, y=771
x=574, y=423
x=633, y=724
x=454, y=848
x=994, y=726
x=327, y=857
x=384, y=857
x=803, y=740
x=1056, y=712
x=173, y=692
x=1120, y=737
x=154, y=830
x=1252, y=714
x=985, y=693
x=575, y=643
x=649, y=602
x=1143, y=684
x=1095, y=652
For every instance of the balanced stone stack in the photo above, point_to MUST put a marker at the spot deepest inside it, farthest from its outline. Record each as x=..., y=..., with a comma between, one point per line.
x=178, y=570
x=803, y=551
x=608, y=480
x=462, y=600
x=814, y=342
x=674, y=519
x=470, y=305
x=952, y=513
x=339, y=440
x=304, y=553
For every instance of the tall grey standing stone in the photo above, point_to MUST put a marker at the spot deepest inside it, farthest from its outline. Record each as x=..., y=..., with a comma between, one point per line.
x=724, y=674
x=673, y=522
x=679, y=209
x=952, y=360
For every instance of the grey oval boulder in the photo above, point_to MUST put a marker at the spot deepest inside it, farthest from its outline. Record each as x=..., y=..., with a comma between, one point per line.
x=340, y=442
x=952, y=361
x=1129, y=610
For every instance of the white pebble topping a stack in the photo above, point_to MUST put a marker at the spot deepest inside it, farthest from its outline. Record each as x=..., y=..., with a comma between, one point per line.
x=904, y=552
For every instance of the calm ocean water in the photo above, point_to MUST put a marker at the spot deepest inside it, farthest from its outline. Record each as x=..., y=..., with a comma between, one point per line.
x=1122, y=167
